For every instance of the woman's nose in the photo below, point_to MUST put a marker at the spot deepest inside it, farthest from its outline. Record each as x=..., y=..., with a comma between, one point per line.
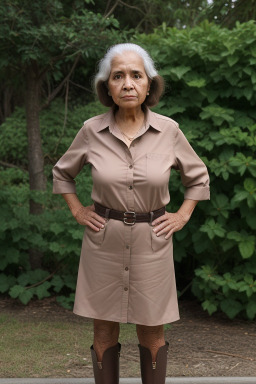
x=128, y=84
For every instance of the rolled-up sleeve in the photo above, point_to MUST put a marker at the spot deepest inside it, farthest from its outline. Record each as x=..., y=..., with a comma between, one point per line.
x=194, y=174
x=70, y=164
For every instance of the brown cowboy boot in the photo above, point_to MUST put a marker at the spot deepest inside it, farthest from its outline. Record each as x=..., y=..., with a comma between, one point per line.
x=153, y=372
x=107, y=370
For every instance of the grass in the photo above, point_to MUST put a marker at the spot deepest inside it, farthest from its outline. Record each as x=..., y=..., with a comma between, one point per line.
x=36, y=348
x=51, y=347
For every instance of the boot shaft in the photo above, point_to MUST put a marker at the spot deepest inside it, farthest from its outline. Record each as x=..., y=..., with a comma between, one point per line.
x=107, y=370
x=153, y=372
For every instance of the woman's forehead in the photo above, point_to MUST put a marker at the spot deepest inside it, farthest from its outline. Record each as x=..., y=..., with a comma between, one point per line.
x=127, y=60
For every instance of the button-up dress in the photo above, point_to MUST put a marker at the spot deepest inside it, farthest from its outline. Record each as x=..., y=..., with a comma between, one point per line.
x=126, y=273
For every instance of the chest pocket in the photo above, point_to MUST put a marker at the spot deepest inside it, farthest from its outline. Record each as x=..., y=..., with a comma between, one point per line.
x=95, y=238
x=158, y=168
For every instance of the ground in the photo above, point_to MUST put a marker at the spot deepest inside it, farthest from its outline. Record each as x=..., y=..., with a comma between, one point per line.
x=200, y=345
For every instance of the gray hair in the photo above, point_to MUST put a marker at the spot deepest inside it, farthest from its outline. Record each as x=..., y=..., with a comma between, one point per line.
x=102, y=76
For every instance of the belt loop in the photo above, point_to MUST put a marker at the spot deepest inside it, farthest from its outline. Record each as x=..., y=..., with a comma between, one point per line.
x=151, y=217
x=107, y=213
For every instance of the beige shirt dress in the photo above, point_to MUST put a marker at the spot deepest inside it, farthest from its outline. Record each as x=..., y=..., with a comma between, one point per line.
x=126, y=273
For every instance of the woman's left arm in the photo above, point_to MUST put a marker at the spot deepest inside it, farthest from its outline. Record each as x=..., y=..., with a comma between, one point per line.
x=173, y=222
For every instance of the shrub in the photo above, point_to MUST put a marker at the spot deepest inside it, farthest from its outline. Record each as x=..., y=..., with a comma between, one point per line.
x=55, y=232
x=210, y=74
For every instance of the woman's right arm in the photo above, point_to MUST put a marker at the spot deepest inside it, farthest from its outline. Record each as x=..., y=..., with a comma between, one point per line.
x=64, y=173
x=83, y=215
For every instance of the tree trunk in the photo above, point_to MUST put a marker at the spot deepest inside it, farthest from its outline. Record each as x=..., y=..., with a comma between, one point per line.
x=37, y=179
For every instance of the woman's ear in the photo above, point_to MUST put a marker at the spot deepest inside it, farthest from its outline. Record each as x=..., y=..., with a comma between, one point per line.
x=106, y=84
x=149, y=84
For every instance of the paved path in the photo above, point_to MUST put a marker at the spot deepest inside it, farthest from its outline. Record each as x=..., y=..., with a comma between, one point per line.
x=169, y=380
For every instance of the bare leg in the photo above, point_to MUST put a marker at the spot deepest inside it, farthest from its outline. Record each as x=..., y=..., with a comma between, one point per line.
x=151, y=337
x=106, y=335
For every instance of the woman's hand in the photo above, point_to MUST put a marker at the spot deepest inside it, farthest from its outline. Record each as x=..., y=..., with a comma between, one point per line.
x=87, y=216
x=173, y=222
x=169, y=223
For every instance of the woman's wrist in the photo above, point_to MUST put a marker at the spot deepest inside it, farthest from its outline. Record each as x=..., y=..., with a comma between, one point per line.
x=73, y=202
x=187, y=209
x=76, y=210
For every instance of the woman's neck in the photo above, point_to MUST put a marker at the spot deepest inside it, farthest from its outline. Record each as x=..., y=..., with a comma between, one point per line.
x=129, y=116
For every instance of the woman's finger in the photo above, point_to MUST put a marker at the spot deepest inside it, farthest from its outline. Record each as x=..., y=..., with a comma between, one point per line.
x=174, y=222
x=169, y=234
x=86, y=216
x=93, y=214
x=160, y=219
x=98, y=218
x=164, y=230
x=96, y=222
x=94, y=227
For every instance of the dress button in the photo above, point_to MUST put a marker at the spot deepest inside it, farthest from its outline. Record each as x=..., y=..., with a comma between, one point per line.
x=126, y=268
x=130, y=166
x=127, y=246
x=130, y=187
x=126, y=289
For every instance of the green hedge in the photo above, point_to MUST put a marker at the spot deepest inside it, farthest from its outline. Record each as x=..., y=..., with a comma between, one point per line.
x=210, y=74
x=55, y=232
x=210, y=90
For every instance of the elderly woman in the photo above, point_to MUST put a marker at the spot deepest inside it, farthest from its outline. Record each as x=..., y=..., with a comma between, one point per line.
x=126, y=271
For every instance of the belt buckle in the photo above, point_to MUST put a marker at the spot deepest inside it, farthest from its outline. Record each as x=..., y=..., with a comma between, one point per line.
x=128, y=217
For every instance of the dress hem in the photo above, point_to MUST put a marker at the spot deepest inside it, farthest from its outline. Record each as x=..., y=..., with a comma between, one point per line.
x=90, y=316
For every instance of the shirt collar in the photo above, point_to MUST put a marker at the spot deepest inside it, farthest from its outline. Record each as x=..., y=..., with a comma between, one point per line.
x=108, y=121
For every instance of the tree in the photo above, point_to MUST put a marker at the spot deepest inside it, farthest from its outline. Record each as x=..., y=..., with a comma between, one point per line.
x=228, y=12
x=39, y=41
x=146, y=15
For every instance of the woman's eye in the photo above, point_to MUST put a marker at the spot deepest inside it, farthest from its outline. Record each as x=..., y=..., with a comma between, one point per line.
x=137, y=76
x=117, y=77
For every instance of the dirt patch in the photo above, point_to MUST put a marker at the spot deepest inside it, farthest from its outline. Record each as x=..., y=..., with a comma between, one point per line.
x=199, y=345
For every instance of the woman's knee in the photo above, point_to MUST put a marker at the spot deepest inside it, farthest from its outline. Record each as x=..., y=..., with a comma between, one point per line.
x=106, y=331
x=148, y=334
x=156, y=330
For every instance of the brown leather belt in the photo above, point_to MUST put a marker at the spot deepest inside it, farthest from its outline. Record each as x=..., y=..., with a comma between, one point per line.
x=128, y=217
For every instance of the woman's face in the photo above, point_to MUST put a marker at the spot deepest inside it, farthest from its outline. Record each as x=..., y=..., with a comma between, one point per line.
x=128, y=82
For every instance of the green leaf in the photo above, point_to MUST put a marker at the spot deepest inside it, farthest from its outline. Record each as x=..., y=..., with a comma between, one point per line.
x=3, y=263
x=251, y=220
x=197, y=83
x=221, y=205
x=6, y=282
x=77, y=233
x=42, y=290
x=16, y=291
x=57, y=282
x=231, y=307
x=175, y=109
x=179, y=71
x=247, y=247
x=234, y=235
x=55, y=247
x=209, y=306
x=250, y=185
x=251, y=309
x=217, y=113
x=24, y=279
x=66, y=302
x=26, y=296
x=57, y=228
x=248, y=279
x=213, y=229
x=232, y=60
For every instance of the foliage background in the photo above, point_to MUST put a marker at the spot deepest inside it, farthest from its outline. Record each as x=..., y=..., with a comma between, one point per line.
x=210, y=90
